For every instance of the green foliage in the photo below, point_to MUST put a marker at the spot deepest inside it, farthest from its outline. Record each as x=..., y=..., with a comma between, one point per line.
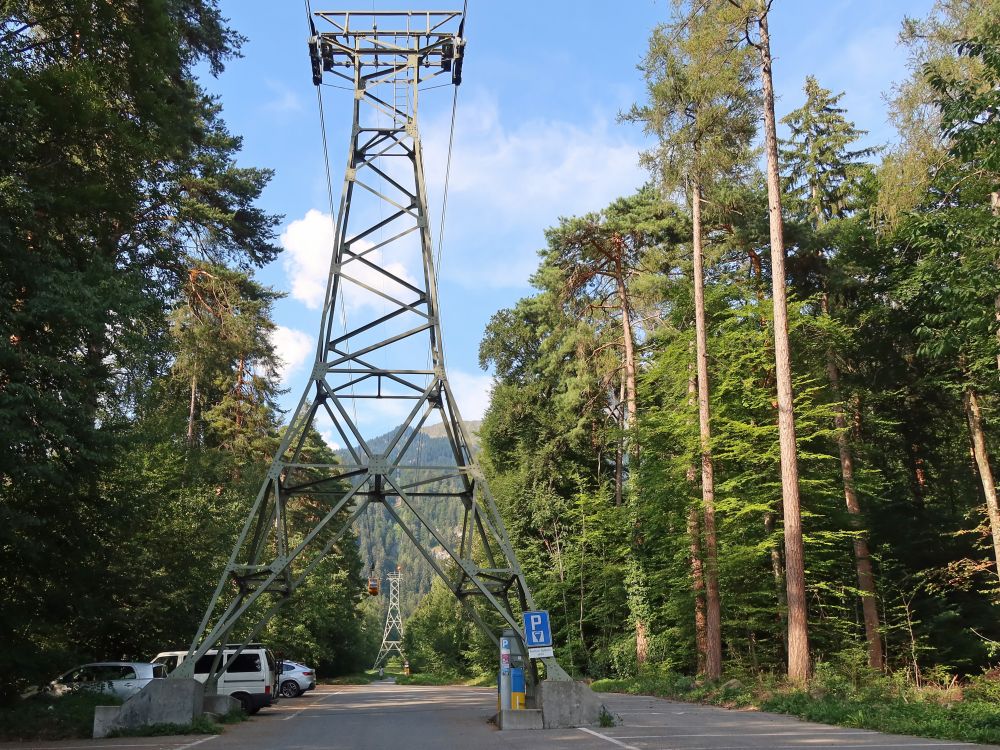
x=984, y=688
x=439, y=638
x=201, y=725
x=432, y=678
x=833, y=697
x=45, y=717
x=969, y=722
x=702, y=99
x=822, y=170
x=138, y=383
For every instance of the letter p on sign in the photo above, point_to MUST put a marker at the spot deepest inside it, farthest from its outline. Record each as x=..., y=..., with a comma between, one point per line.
x=536, y=629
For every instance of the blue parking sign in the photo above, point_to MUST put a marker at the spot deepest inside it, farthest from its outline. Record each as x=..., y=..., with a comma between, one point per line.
x=537, y=633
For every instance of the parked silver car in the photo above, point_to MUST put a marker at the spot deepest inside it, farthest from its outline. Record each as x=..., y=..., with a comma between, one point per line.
x=121, y=678
x=296, y=679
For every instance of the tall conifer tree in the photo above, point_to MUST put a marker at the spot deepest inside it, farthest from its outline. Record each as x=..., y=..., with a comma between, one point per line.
x=701, y=110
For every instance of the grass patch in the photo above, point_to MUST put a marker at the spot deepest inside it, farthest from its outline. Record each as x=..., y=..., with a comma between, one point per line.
x=881, y=703
x=71, y=716
x=359, y=678
x=971, y=721
x=236, y=716
x=45, y=717
x=431, y=678
x=201, y=725
x=483, y=680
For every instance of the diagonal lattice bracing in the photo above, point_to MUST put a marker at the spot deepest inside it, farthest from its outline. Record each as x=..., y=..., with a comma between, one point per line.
x=379, y=353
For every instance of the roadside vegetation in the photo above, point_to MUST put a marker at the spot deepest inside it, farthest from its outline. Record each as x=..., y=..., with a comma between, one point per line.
x=45, y=717
x=356, y=678
x=425, y=678
x=848, y=695
x=71, y=716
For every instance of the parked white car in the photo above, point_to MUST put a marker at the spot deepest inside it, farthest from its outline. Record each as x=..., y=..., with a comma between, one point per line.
x=296, y=679
x=252, y=678
x=121, y=678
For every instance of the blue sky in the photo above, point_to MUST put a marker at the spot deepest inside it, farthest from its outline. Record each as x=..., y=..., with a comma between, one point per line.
x=536, y=138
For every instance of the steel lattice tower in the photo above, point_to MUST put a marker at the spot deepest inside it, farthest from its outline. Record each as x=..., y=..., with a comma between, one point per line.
x=389, y=354
x=393, y=624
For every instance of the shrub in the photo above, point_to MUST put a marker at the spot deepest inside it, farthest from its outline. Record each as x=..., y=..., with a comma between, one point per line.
x=984, y=687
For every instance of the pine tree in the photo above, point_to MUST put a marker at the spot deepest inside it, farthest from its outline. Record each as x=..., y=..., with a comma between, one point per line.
x=701, y=112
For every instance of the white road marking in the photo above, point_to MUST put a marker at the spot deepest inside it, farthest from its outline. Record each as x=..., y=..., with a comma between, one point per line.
x=197, y=742
x=799, y=746
x=97, y=747
x=741, y=734
x=296, y=711
x=612, y=740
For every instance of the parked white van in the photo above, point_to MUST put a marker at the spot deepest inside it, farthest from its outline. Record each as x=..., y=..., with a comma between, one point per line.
x=252, y=678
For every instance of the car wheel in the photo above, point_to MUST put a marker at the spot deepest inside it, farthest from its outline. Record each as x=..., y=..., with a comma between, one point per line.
x=245, y=703
x=290, y=689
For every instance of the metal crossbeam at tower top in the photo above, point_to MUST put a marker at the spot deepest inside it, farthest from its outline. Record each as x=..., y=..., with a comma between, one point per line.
x=379, y=347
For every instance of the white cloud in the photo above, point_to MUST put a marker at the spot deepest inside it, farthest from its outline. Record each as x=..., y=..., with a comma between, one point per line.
x=328, y=438
x=509, y=182
x=293, y=348
x=308, y=244
x=471, y=391
x=284, y=99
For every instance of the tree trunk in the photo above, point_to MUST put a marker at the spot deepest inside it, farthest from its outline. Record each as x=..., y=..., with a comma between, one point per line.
x=698, y=587
x=629, y=342
x=862, y=555
x=995, y=207
x=620, y=448
x=694, y=535
x=973, y=414
x=918, y=475
x=641, y=642
x=191, y=408
x=713, y=628
x=798, y=635
x=778, y=574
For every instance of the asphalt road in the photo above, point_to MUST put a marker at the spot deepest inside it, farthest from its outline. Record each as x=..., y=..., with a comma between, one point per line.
x=384, y=716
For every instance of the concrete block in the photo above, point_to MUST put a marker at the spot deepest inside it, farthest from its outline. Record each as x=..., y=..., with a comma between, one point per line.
x=160, y=702
x=525, y=718
x=565, y=703
x=105, y=720
x=220, y=705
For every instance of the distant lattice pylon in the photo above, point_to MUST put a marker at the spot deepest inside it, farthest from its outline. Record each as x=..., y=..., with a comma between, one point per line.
x=392, y=636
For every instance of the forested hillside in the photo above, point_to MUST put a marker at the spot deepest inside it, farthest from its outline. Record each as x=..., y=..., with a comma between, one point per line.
x=384, y=546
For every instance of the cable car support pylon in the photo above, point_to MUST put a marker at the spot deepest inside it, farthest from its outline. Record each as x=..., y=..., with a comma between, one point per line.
x=379, y=345
x=392, y=636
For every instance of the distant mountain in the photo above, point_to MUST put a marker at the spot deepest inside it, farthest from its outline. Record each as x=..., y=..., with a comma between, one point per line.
x=471, y=425
x=383, y=545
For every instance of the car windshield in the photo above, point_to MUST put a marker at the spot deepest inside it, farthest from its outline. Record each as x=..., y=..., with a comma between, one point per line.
x=170, y=661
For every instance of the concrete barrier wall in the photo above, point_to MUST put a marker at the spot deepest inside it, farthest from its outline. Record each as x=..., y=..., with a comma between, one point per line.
x=568, y=704
x=160, y=702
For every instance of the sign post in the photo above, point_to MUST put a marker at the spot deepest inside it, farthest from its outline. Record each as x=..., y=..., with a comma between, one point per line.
x=538, y=634
x=505, y=683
